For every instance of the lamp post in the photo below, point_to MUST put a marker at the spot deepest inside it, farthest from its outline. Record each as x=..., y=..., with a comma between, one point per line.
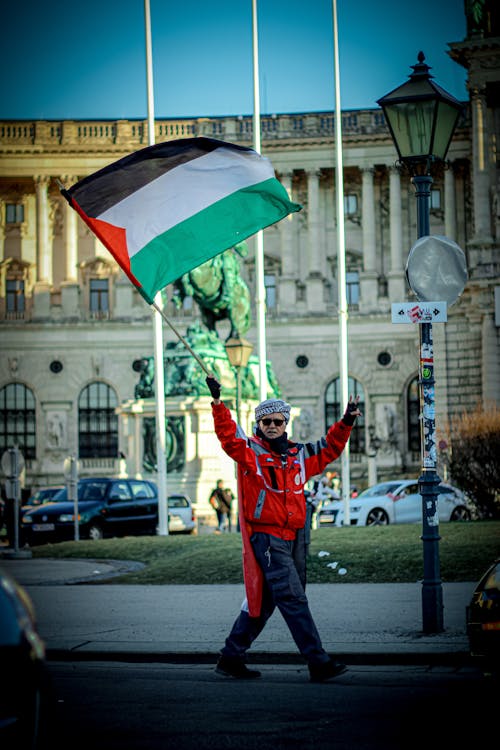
x=422, y=118
x=238, y=352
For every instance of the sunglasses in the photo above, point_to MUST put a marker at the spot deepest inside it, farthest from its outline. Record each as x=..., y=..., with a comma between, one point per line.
x=278, y=422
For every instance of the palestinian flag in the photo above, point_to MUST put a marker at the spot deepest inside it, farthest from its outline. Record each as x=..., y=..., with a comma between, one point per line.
x=168, y=208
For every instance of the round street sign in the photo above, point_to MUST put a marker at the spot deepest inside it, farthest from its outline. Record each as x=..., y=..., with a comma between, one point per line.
x=436, y=269
x=12, y=462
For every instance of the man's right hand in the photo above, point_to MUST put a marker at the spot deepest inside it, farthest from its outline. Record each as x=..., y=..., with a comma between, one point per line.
x=214, y=387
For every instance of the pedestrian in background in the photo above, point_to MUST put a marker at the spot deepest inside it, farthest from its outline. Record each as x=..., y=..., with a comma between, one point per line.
x=272, y=472
x=220, y=499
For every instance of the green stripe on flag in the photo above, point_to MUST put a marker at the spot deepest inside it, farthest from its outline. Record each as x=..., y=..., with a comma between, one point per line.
x=209, y=232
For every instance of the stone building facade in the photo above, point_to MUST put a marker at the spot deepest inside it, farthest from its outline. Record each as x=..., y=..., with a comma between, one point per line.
x=72, y=327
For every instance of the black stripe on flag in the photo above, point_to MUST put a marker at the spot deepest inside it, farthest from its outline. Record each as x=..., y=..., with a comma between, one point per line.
x=103, y=189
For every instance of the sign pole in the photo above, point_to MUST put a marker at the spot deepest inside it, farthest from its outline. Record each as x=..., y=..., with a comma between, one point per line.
x=12, y=466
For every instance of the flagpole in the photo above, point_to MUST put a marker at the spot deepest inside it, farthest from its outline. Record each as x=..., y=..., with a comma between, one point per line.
x=341, y=271
x=260, y=290
x=161, y=463
x=183, y=340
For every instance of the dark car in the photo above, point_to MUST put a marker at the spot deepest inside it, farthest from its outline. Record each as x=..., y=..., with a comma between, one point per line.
x=106, y=507
x=26, y=696
x=483, y=620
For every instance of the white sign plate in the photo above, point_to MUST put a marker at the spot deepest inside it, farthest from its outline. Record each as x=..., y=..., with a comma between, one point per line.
x=419, y=312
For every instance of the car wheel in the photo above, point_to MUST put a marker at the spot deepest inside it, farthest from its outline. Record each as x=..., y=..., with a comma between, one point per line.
x=377, y=517
x=460, y=514
x=95, y=532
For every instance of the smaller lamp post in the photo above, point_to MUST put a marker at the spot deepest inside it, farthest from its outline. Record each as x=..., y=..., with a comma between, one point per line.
x=422, y=118
x=238, y=352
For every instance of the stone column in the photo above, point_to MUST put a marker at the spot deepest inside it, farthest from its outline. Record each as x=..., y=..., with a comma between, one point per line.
x=2, y=230
x=314, y=279
x=70, y=291
x=368, y=281
x=450, y=204
x=70, y=235
x=480, y=168
x=41, y=288
x=43, y=249
x=490, y=362
x=396, y=273
x=314, y=265
x=287, y=297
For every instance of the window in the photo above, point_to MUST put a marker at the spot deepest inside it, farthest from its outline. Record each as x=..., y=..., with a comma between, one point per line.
x=97, y=422
x=352, y=287
x=142, y=489
x=99, y=297
x=413, y=412
x=435, y=200
x=120, y=491
x=270, y=286
x=350, y=204
x=14, y=213
x=14, y=289
x=334, y=411
x=18, y=419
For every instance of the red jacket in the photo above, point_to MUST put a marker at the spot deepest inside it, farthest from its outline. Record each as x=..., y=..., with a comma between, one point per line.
x=271, y=493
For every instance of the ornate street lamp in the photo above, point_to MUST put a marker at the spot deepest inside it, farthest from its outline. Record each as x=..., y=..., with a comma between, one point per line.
x=422, y=118
x=238, y=352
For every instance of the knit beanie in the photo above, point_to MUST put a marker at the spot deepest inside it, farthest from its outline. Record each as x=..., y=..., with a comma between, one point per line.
x=272, y=406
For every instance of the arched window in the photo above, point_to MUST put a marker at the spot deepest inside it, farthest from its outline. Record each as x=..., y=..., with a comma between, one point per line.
x=334, y=409
x=18, y=419
x=97, y=422
x=413, y=412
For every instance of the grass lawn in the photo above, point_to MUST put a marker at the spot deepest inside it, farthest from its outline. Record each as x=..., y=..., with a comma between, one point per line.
x=381, y=554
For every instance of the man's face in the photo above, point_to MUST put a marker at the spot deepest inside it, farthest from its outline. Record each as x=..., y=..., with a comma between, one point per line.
x=273, y=425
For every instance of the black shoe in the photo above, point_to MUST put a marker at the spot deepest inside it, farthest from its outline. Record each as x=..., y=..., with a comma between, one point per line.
x=326, y=671
x=231, y=666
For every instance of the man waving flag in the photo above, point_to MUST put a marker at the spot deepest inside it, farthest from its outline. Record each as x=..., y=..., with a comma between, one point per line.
x=168, y=208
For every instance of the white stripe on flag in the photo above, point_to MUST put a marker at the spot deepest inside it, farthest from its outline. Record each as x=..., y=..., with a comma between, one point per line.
x=184, y=191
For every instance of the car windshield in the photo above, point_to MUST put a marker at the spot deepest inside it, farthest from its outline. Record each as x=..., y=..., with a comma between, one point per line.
x=380, y=489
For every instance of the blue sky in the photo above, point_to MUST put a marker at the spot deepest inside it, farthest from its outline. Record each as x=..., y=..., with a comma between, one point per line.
x=87, y=60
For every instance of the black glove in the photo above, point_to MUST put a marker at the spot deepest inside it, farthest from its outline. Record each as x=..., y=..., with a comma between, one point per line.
x=213, y=387
x=349, y=418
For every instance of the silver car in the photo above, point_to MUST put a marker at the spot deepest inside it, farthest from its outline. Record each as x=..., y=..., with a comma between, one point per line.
x=395, y=502
x=181, y=515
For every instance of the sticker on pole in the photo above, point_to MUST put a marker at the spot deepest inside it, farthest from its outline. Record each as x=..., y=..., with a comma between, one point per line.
x=419, y=312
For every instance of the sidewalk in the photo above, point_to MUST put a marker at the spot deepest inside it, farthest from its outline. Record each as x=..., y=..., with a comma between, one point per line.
x=362, y=623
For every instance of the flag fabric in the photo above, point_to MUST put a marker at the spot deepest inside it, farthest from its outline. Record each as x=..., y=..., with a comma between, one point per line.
x=168, y=208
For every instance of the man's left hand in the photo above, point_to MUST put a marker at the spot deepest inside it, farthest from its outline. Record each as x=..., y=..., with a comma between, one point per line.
x=352, y=411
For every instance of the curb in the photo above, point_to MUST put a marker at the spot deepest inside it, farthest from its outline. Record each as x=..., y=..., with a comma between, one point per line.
x=456, y=659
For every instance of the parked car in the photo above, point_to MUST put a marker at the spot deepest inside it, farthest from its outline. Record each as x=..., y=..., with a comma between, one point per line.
x=106, y=507
x=483, y=620
x=395, y=502
x=43, y=495
x=26, y=696
x=181, y=515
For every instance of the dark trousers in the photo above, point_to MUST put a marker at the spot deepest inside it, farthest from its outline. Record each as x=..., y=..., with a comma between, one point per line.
x=284, y=566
